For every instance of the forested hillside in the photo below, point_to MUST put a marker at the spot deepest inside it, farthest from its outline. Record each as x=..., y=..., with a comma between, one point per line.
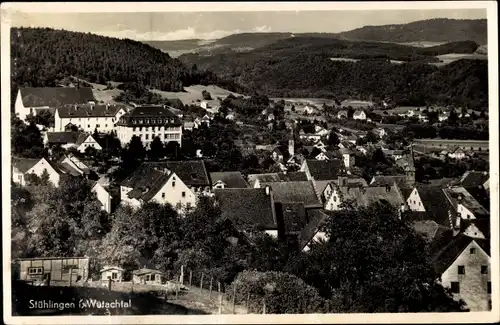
x=302, y=67
x=431, y=30
x=43, y=56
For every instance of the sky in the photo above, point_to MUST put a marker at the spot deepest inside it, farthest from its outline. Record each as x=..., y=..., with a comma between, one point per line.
x=144, y=26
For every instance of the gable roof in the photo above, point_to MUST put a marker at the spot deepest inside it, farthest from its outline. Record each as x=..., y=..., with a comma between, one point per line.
x=446, y=256
x=292, y=176
x=325, y=170
x=191, y=172
x=251, y=206
x=381, y=180
x=55, y=96
x=433, y=232
x=24, y=164
x=268, y=177
x=231, y=179
x=108, y=268
x=358, y=113
x=473, y=178
x=317, y=219
x=63, y=137
x=89, y=110
x=435, y=203
x=483, y=225
x=82, y=137
x=146, y=181
x=298, y=192
x=145, y=271
x=366, y=196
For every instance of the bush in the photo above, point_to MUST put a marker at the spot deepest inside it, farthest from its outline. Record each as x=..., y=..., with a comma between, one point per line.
x=283, y=293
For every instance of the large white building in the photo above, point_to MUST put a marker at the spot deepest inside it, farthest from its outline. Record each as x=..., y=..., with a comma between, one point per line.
x=88, y=117
x=31, y=100
x=148, y=122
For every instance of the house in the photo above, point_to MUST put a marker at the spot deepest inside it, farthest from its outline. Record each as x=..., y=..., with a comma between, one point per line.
x=222, y=180
x=113, y=273
x=30, y=100
x=206, y=119
x=476, y=228
x=293, y=218
x=342, y=114
x=309, y=109
x=432, y=201
x=321, y=131
x=348, y=159
x=466, y=206
x=294, y=192
x=313, y=232
x=197, y=123
x=309, y=136
x=149, y=122
x=344, y=144
x=80, y=140
x=256, y=179
x=70, y=165
x=54, y=269
x=89, y=117
x=348, y=180
x=24, y=166
x=154, y=183
x=380, y=132
x=204, y=104
x=320, y=145
x=270, y=117
x=394, y=154
x=457, y=153
x=147, y=276
x=364, y=196
x=192, y=172
x=103, y=196
x=473, y=178
x=359, y=115
x=230, y=116
x=322, y=170
x=292, y=176
x=464, y=267
x=443, y=117
x=188, y=124
x=362, y=150
x=248, y=208
x=325, y=156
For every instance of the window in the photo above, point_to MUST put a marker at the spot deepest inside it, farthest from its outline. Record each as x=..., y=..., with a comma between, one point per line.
x=162, y=195
x=461, y=269
x=133, y=129
x=473, y=251
x=488, y=287
x=484, y=269
x=114, y=275
x=489, y=305
x=88, y=125
x=106, y=125
x=147, y=136
x=173, y=184
x=183, y=194
x=455, y=287
x=334, y=199
x=35, y=270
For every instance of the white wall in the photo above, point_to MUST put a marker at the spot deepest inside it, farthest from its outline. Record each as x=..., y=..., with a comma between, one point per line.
x=103, y=196
x=464, y=212
x=88, y=124
x=320, y=235
x=148, y=133
x=89, y=142
x=109, y=273
x=172, y=192
x=333, y=202
x=414, y=202
x=40, y=166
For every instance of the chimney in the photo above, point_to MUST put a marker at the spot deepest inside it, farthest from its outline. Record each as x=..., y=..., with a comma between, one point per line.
x=268, y=190
x=76, y=107
x=91, y=107
x=342, y=181
x=107, y=106
x=166, y=171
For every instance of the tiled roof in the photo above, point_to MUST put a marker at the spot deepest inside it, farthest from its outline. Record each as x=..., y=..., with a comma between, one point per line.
x=269, y=177
x=435, y=203
x=474, y=178
x=368, y=195
x=251, y=206
x=24, y=164
x=108, y=268
x=431, y=230
x=292, y=176
x=55, y=96
x=231, y=179
x=146, y=181
x=325, y=170
x=317, y=218
x=481, y=195
x=389, y=180
x=293, y=215
x=146, y=271
x=63, y=137
x=81, y=138
x=191, y=172
x=89, y=110
x=294, y=192
x=455, y=247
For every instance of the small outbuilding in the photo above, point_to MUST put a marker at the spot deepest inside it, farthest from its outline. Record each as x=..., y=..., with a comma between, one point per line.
x=114, y=273
x=147, y=276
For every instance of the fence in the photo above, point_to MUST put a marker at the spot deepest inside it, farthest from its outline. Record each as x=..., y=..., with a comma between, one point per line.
x=207, y=288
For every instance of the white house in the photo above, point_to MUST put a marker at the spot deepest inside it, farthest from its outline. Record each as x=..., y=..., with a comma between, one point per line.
x=320, y=145
x=464, y=265
x=359, y=115
x=309, y=109
x=149, y=122
x=103, y=196
x=443, y=117
x=89, y=117
x=342, y=114
x=230, y=116
x=204, y=104
x=24, y=166
x=114, y=273
x=149, y=183
x=80, y=140
x=30, y=100
x=457, y=153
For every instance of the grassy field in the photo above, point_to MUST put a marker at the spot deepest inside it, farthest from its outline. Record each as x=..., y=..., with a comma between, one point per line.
x=193, y=93
x=448, y=58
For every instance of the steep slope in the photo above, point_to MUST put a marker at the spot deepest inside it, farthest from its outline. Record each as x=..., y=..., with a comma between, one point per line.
x=431, y=30
x=42, y=57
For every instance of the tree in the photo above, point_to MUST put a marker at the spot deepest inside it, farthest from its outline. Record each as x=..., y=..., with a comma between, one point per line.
x=172, y=149
x=333, y=139
x=371, y=137
x=156, y=150
x=133, y=155
x=26, y=139
x=281, y=292
x=376, y=263
x=206, y=95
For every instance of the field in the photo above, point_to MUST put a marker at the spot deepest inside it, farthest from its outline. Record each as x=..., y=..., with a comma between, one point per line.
x=193, y=93
x=397, y=110
x=448, y=58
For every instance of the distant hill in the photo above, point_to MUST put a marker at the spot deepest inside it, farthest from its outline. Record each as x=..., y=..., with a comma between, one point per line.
x=302, y=67
x=42, y=56
x=431, y=30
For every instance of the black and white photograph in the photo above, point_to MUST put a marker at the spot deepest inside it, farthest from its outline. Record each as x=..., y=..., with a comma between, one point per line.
x=238, y=162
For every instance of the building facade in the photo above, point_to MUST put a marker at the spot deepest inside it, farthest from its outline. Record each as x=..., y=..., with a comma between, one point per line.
x=54, y=269
x=88, y=117
x=149, y=122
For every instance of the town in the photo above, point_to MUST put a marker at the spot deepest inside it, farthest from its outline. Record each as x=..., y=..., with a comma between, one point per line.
x=285, y=205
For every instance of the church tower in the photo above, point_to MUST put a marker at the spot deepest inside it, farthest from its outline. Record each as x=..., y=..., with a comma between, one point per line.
x=410, y=168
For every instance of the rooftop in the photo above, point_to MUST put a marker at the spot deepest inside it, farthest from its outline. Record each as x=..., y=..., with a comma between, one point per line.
x=231, y=179
x=89, y=110
x=294, y=192
x=325, y=170
x=55, y=96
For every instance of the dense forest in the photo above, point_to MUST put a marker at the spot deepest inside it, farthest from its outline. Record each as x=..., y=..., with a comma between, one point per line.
x=431, y=30
x=287, y=69
x=41, y=57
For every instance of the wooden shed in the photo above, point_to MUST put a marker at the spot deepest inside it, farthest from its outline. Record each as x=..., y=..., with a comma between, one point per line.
x=147, y=276
x=114, y=273
x=54, y=269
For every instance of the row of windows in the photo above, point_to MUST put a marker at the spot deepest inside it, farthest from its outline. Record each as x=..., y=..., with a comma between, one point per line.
x=97, y=118
x=484, y=268
x=153, y=121
x=166, y=136
x=97, y=125
x=455, y=287
x=155, y=128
